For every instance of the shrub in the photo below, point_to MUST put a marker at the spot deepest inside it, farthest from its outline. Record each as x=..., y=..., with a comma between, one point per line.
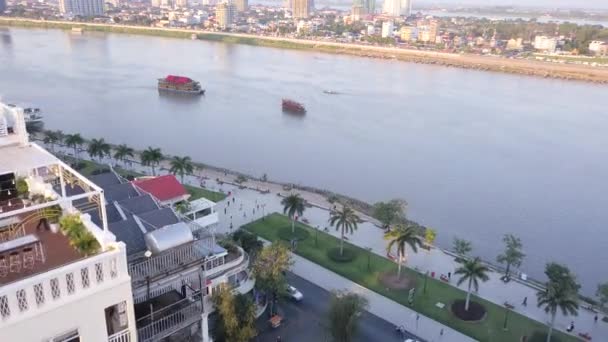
x=22, y=187
x=347, y=256
x=99, y=171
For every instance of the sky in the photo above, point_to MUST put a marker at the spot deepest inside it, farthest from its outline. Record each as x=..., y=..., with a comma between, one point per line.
x=603, y=4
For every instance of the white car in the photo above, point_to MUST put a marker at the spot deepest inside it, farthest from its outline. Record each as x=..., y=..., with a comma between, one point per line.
x=294, y=293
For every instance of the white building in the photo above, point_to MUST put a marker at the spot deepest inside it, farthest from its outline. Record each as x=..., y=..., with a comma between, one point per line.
x=52, y=286
x=397, y=8
x=387, y=29
x=87, y=8
x=599, y=47
x=545, y=44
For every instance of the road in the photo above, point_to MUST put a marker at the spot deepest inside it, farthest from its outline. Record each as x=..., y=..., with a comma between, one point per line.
x=305, y=321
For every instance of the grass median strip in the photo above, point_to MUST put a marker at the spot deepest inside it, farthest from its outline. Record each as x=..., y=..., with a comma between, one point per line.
x=197, y=193
x=317, y=245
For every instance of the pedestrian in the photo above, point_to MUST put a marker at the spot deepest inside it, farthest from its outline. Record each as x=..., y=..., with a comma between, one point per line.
x=228, y=204
x=225, y=211
x=441, y=332
x=595, y=318
x=244, y=214
x=525, y=302
x=449, y=276
x=233, y=199
x=253, y=211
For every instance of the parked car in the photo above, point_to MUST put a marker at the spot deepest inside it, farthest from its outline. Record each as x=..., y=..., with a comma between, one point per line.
x=294, y=293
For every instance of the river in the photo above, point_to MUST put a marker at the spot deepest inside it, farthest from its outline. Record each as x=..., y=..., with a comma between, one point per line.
x=476, y=154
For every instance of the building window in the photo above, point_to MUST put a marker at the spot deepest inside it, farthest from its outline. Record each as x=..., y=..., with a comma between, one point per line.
x=116, y=318
x=5, y=310
x=39, y=294
x=113, y=269
x=84, y=274
x=71, y=336
x=55, y=292
x=99, y=272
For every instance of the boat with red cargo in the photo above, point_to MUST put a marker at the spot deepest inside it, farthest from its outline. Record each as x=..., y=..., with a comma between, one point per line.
x=292, y=106
x=180, y=84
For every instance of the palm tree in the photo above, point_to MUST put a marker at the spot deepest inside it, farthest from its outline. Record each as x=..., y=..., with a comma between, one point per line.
x=123, y=151
x=151, y=157
x=345, y=220
x=99, y=148
x=557, y=297
x=473, y=271
x=401, y=237
x=74, y=141
x=293, y=205
x=181, y=166
x=52, y=138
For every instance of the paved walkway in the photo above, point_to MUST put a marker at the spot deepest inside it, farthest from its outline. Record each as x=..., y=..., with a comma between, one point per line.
x=248, y=205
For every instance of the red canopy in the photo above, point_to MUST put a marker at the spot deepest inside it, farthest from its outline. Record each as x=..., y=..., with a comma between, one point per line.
x=178, y=79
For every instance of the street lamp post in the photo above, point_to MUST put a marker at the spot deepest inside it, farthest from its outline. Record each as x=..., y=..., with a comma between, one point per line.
x=426, y=276
x=369, y=258
x=316, y=236
x=504, y=326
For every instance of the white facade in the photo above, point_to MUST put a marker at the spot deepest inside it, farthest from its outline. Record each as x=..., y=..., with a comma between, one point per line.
x=545, y=44
x=82, y=7
x=387, y=29
x=598, y=47
x=60, y=290
x=397, y=8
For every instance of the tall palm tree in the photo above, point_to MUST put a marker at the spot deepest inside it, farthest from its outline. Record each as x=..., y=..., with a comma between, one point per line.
x=557, y=297
x=74, y=141
x=99, y=148
x=345, y=220
x=151, y=157
x=52, y=138
x=473, y=271
x=293, y=205
x=401, y=237
x=123, y=151
x=181, y=166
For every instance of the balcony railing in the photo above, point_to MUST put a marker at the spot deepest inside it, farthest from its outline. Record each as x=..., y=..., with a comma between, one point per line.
x=43, y=292
x=168, y=321
x=168, y=262
x=121, y=336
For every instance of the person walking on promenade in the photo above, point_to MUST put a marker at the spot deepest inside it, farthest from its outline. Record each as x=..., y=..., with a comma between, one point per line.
x=525, y=302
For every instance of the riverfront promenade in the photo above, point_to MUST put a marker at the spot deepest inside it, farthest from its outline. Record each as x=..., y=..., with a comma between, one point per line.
x=251, y=205
x=466, y=61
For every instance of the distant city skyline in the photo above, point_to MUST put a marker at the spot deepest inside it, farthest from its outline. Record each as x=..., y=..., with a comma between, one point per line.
x=603, y=4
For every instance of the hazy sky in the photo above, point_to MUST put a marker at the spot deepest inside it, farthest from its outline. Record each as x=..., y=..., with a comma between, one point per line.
x=544, y=3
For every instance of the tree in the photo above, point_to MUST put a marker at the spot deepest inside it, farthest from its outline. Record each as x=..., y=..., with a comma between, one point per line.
x=183, y=207
x=345, y=220
x=344, y=312
x=236, y=317
x=430, y=235
x=560, y=274
x=52, y=138
x=401, y=237
x=389, y=213
x=151, y=157
x=249, y=242
x=602, y=294
x=123, y=151
x=181, y=166
x=98, y=148
x=512, y=256
x=269, y=270
x=293, y=205
x=473, y=271
x=557, y=296
x=74, y=141
x=462, y=247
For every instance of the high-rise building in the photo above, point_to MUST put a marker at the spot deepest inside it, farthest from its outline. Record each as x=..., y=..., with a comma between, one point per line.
x=224, y=14
x=181, y=3
x=387, y=29
x=241, y=5
x=370, y=6
x=358, y=12
x=155, y=3
x=63, y=275
x=301, y=9
x=2, y=6
x=87, y=8
x=397, y=8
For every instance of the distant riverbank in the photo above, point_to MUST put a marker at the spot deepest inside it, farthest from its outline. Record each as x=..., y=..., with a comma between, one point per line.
x=522, y=67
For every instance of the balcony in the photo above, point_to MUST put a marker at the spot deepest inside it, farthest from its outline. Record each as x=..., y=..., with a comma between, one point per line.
x=122, y=336
x=62, y=285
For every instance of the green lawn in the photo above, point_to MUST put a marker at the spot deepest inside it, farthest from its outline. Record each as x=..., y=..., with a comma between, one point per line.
x=491, y=329
x=91, y=166
x=197, y=193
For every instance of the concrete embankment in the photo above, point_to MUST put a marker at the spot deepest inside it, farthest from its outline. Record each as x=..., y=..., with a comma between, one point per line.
x=465, y=61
